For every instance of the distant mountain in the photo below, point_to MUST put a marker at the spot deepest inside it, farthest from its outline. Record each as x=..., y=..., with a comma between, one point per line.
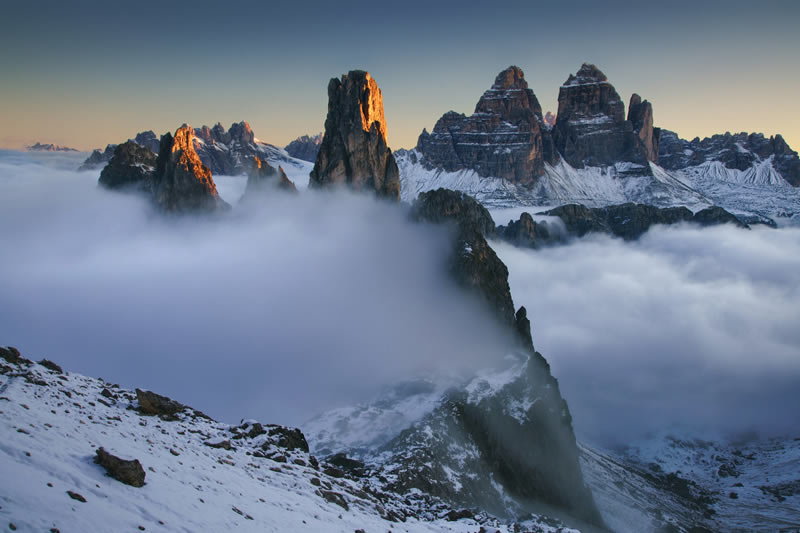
x=39, y=147
x=305, y=147
x=506, y=154
x=225, y=152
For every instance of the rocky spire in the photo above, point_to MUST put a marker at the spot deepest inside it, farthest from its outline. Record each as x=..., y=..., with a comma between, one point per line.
x=640, y=115
x=263, y=177
x=590, y=126
x=504, y=138
x=182, y=182
x=354, y=149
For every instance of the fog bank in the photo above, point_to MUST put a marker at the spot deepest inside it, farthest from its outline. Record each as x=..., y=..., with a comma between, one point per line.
x=687, y=328
x=284, y=308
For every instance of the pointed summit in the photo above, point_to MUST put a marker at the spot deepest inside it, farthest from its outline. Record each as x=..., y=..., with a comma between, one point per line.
x=640, y=115
x=590, y=128
x=354, y=150
x=588, y=74
x=510, y=78
x=505, y=137
x=182, y=182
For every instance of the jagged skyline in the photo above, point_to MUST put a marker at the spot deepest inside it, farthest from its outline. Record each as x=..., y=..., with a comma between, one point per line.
x=88, y=75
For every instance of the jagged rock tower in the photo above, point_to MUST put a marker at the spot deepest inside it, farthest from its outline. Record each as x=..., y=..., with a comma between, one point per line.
x=591, y=128
x=182, y=182
x=354, y=150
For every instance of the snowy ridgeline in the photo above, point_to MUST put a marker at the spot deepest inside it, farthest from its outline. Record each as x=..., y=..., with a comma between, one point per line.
x=201, y=475
x=758, y=191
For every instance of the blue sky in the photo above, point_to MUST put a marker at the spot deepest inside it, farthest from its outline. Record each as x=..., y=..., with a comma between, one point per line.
x=96, y=72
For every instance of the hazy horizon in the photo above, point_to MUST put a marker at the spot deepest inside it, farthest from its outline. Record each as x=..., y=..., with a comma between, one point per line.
x=84, y=76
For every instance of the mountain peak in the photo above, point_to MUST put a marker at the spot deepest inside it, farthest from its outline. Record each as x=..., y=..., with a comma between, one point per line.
x=354, y=149
x=369, y=97
x=586, y=75
x=510, y=78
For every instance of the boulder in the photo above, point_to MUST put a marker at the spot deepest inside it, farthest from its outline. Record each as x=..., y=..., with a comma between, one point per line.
x=151, y=403
x=125, y=471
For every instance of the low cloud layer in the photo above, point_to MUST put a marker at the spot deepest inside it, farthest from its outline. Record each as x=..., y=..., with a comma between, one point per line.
x=283, y=309
x=688, y=328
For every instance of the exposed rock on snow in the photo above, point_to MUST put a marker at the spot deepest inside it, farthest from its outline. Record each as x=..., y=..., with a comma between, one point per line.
x=125, y=471
x=354, y=150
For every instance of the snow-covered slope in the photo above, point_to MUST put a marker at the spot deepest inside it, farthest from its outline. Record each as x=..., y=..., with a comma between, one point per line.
x=201, y=475
x=756, y=193
x=723, y=486
x=561, y=184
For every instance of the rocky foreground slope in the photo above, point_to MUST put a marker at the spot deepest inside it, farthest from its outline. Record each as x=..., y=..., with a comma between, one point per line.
x=193, y=473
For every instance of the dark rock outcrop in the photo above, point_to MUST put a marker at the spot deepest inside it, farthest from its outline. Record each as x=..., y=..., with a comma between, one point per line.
x=505, y=137
x=715, y=215
x=740, y=151
x=473, y=263
x=531, y=453
x=50, y=365
x=630, y=221
x=263, y=177
x=591, y=129
x=131, y=167
x=181, y=181
x=526, y=232
x=305, y=147
x=354, y=150
x=151, y=403
x=125, y=471
x=99, y=158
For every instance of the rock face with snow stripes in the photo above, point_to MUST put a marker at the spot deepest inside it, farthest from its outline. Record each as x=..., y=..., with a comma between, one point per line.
x=354, y=150
x=505, y=137
x=591, y=129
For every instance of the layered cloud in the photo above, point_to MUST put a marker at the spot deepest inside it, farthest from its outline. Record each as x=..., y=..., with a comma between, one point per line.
x=285, y=308
x=688, y=328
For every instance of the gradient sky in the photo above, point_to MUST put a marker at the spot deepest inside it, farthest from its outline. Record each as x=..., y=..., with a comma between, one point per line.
x=87, y=73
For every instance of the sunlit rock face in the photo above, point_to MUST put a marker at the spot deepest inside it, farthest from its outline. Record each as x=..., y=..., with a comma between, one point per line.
x=182, y=182
x=640, y=115
x=131, y=168
x=354, y=151
x=591, y=129
x=505, y=137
